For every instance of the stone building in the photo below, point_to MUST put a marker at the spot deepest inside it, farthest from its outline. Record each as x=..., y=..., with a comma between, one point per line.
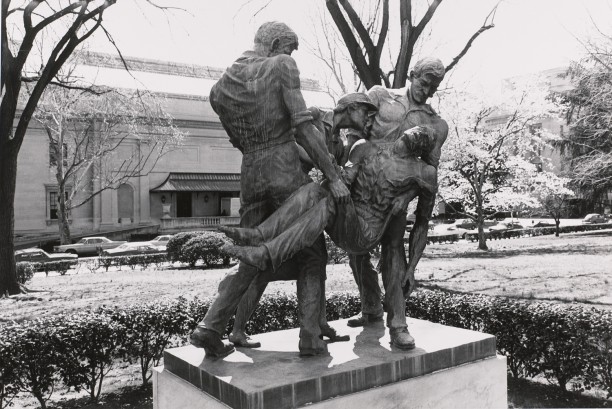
x=194, y=186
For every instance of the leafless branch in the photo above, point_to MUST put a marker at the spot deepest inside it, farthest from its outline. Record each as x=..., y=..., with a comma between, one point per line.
x=485, y=26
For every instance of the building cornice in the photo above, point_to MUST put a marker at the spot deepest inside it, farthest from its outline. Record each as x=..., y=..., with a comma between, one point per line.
x=97, y=59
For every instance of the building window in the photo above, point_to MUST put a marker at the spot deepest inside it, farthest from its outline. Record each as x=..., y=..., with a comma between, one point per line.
x=53, y=205
x=53, y=151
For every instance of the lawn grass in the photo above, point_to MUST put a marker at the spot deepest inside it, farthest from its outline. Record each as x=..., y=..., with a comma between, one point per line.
x=572, y=268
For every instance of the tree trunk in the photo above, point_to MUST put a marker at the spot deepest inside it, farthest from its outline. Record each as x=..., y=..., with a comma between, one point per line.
x=64, y=227
x=41, y=400
x=482, y=240
x=557, y=230
x=8, y=176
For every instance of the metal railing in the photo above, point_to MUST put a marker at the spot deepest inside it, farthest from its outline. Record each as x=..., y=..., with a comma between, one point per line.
x=178, y=223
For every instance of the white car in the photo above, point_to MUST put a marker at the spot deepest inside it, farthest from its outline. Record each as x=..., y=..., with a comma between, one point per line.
x=130, y=249
x=160, y=241
x=88, y=246
x=594, y=218
x=502, y=226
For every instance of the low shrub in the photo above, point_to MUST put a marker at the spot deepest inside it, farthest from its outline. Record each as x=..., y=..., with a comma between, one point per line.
x=278, y=311
x=90, y=344
x=61, y=266
x=8, y=370
x=446, y=238
x=206, y=247
x=599, y=369
x=537, y=231
x=31, y=359
x=25, y=272
x=131, y=261
x=106, y=262
x=564, y=343
x=143, y=260
x=567, y=344
x=149, y=329
x=176, y=242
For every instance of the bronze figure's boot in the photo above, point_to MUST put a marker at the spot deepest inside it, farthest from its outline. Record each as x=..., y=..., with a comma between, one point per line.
x=310, y=346
x=211, y=342
x=401, y=338
x=254, y=256
x=241, y=339
x=329, y=332
x=242, y=236
x=363, y=319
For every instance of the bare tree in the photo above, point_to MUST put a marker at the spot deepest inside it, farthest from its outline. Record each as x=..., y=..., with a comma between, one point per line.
x=328, y=48
x=69, y=23
x=88, y=128
x=366, y=49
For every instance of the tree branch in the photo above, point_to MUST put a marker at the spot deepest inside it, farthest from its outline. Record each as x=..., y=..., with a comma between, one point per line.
x=361, y=31
x=351, y=44
x=382, y=36
x=88, y=89
x=481, y=30
x=425, y=20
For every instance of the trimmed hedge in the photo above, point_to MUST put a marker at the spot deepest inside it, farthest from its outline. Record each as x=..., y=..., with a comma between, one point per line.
x=537, y=231
x=191, y=247
x=143, y=260
x=565, y=343
x=176, y=242
x=206, y=247
x=149, y=329
x=568, y=344
x=446, y=238
x=26, y=270
x=61, y=266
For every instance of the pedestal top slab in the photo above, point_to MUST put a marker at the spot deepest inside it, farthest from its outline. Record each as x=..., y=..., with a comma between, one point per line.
x=275, y=376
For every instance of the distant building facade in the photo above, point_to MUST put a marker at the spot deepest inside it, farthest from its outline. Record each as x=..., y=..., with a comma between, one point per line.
x=194, y=186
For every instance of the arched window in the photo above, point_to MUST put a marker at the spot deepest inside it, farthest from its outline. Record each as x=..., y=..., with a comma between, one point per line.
x=125, y=201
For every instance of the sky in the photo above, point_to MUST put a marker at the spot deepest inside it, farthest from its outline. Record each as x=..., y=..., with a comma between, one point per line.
x=529, y=35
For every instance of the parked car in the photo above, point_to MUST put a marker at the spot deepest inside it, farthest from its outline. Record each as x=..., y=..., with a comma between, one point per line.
x=458, y=231
x=502, y=226
x=130, y=249
x=88, y=246
x=454, y=229
x=543, y=223
x=594, y=218
x=466, y=224
x=36, y=255
x=160, y=241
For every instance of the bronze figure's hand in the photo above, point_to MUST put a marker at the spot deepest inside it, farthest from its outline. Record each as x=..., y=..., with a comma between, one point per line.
x=409, y=283
x=339, y=191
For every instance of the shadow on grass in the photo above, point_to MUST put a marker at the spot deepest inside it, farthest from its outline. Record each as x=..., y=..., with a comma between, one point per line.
x=528, y=394
x=492, y=254
x=204, y=267
x=428, y=285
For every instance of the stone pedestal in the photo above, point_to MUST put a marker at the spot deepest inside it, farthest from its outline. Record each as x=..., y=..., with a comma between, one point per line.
x=449, y=368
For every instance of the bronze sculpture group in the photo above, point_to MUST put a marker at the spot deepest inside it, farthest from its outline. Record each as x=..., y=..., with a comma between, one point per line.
x=362, y=201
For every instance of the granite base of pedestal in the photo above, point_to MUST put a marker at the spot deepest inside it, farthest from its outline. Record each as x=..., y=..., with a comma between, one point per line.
x=449, y=368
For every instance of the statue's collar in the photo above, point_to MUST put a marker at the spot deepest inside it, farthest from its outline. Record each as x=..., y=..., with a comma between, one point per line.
x=412, y=105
